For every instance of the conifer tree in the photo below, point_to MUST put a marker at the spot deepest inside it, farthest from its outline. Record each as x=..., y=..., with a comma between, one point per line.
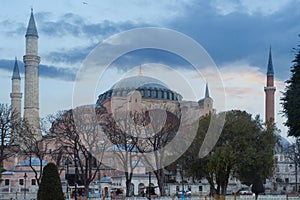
x=291, y=98
x=50, y=187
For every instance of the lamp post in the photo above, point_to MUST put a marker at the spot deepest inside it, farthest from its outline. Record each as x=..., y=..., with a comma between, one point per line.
x=180, y=166
x=25, y=176
x=67, y=162
x=296, y=176
x=102, y=147
x=76, y=166
x=76, y=177
x=149, y=185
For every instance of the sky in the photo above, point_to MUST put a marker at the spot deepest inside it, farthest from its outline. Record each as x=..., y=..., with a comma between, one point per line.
x=235, y=34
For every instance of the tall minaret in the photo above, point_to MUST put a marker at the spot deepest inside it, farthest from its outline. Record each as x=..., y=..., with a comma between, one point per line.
x=208, y=101
x=270, y=90
x=32, y=60
x=16, y=95
x=206, y=91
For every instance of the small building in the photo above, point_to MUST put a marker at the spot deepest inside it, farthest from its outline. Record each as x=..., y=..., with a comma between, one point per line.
x=21, y=180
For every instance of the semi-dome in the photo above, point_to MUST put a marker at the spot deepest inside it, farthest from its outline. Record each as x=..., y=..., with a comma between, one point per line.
x=149, y=88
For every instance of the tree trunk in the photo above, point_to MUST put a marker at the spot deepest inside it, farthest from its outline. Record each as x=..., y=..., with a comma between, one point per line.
x=213, y=190
x=220, y=197
x=128, y=183
x=160, y=181
x=86, y=189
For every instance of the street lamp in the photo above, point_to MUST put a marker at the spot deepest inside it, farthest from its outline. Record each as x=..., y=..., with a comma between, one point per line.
x=149, y=185
x=102, y=147
x=67, y=162
x=25, y=176
x=180, y=166
x=76, y=167
x=76, y=176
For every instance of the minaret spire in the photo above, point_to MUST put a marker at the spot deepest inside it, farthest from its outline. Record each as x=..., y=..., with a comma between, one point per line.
x=16, y=95
x=31, y=28
x=270, y=71
x=206, y=91
x=16, y=73
x=32, y=60
x=270, y=91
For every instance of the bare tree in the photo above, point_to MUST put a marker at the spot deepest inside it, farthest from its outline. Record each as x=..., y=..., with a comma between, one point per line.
x=161, y=129
x=9, y=126
x=79, y=136
x=122, y=133
x=33, y=148
x=135, y=134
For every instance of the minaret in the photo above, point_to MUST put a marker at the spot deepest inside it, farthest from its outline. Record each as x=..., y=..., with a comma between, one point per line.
x=16, y=95
x=140, y=71
x=206, y=91
x=32, y=60
x=208, y=101
x=270, y=90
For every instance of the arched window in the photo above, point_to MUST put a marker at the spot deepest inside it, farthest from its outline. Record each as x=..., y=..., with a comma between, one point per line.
x=141, y=188
x=131, y=193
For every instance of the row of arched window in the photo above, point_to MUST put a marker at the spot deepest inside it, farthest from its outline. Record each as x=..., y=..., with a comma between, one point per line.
x=145, y=93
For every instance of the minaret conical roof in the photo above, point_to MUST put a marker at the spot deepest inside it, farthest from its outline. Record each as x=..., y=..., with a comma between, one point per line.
x=270, y=71
x=206, y=91
x=16, y=73
x=31, y=28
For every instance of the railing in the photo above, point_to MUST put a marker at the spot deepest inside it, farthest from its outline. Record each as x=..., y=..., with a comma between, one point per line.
x=33, y=196
x=17, y=196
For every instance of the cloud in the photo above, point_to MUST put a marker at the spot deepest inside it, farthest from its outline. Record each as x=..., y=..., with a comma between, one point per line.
x=69, y=56
x=267, y=7
x=45, y=71
x=79, y=36
x=75, y=25
x=149, y=55
x=66, y=74
x=243, y=35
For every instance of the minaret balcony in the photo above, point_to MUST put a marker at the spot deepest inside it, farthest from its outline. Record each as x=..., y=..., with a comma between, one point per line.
x=270, y=88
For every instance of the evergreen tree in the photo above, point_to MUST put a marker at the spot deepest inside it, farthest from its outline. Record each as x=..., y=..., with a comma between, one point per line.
x=257, y=187
x=244, y=150
x=291, y=98
x=50, y=187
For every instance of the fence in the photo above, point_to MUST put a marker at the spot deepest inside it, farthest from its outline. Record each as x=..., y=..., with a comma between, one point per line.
x=32, y=196
x=245, y=197
x=18, y=196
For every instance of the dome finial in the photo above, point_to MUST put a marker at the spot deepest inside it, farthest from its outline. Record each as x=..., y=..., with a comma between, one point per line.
x=140, y=71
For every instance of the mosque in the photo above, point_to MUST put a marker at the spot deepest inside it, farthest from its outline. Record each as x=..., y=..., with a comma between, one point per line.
x=128, y=93
x=133, y=93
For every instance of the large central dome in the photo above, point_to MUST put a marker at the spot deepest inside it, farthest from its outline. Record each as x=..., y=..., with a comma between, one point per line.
x=139, y=82
x=149, y=88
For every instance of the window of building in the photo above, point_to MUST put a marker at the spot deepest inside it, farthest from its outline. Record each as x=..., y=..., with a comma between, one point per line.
x=21, y=181
x=287, y=180
x=33, y=182
x=200, y=188
x=6, y=182
x=286, y=168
